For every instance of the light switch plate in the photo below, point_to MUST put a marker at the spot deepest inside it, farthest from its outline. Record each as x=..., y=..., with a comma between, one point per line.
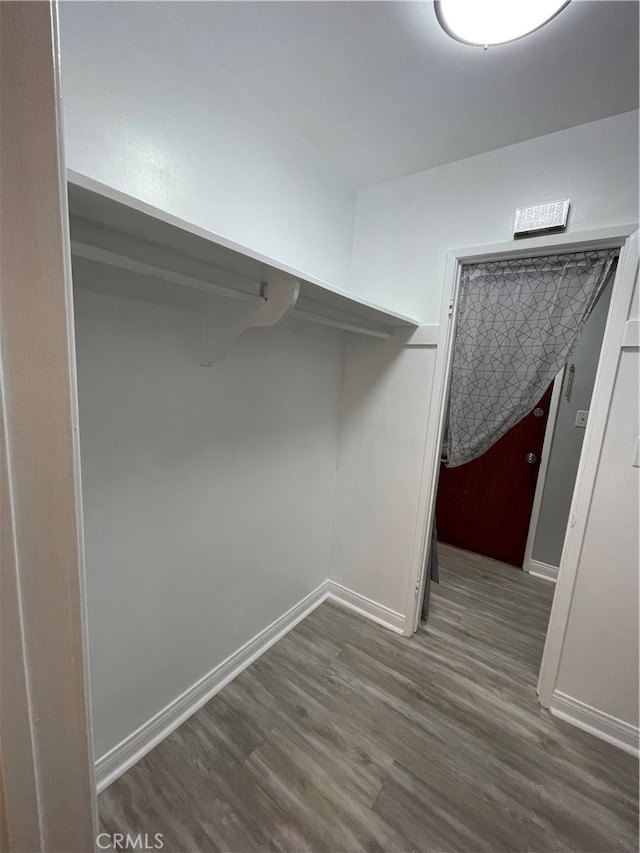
x=636, y=454
x=581, y=418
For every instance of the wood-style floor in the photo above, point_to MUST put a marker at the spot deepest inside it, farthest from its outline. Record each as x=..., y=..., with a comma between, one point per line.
x=347, y=737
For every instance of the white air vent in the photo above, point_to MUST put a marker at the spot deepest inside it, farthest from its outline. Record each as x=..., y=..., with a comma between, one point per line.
x=541, y=217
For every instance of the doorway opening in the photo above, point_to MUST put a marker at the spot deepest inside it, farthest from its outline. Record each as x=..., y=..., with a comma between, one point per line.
x=625, y=239
x=512, y=504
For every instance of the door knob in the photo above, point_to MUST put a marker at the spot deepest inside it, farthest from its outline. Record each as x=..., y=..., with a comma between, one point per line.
x=531, y=458
x=538, y=413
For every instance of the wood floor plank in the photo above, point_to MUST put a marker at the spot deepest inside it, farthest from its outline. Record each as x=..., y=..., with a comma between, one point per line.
x=320, y=799
x=347, y=737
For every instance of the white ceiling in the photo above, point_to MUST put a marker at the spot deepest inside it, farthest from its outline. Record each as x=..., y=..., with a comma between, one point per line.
x=379, y=90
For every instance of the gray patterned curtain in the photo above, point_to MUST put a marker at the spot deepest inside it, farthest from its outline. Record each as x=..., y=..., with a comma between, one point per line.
x=518, y=323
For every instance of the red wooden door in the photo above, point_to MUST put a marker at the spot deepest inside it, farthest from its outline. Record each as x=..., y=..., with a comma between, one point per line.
x=485, y=505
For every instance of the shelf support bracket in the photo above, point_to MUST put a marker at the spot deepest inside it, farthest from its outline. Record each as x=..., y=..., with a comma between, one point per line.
x=225, y=320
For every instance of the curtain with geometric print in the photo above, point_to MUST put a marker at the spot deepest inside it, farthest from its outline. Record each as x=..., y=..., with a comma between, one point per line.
x=518, y=322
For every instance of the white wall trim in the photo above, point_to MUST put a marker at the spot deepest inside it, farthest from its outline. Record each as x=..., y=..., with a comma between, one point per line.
x=46, y=772
x=134, y=747
x=530, y=247
x=541, y=570
x=631, y=339
x=424, y=336
x=603, y=726
x=366, y=607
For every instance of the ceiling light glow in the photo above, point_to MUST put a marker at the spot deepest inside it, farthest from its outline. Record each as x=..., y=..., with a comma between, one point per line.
x=486, y=22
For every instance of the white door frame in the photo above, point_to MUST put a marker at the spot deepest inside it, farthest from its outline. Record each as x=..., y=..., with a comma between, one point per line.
x=46, y=757
x=624, y=237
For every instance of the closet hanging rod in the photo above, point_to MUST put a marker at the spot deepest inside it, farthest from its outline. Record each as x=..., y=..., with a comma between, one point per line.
x=123, y=262
x=338, y=324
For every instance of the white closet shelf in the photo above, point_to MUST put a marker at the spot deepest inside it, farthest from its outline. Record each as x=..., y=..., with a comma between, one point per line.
x=112, y=228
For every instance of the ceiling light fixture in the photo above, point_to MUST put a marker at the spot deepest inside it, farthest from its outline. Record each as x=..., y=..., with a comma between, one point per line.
x=487, y=22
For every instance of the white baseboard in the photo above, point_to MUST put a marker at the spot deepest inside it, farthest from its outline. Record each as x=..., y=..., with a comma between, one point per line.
x=603, y=726
x=541, y=570
x=123, y=756
x=129, y=751
x=366, y=607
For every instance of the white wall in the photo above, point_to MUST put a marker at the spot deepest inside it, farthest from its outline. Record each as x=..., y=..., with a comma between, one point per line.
x=404, y=228
x=149, y=110
x=385, y=406
x=208, y=491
